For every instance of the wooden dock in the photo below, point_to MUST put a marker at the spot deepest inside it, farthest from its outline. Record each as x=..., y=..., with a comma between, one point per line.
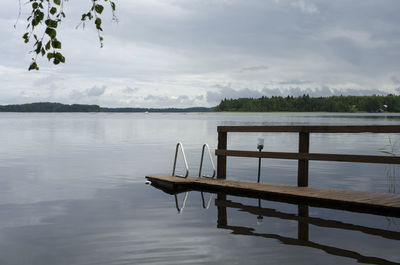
x=377, y=203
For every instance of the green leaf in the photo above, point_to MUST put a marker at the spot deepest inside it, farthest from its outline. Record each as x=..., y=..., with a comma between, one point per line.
x=58, y=55
x=99, y=8
x=33, y=66
x=50, y=55
x=51, y=23
x=26, y=37
x=51, y=32
x=113, y=6
x=53, y=10
x=39, y=15
x=58, y=58
x=47, y=45
x=98, y=23
x=35, y=5
x=57, y=2
x=35, y=22
x=38, y=47
x=56, y=44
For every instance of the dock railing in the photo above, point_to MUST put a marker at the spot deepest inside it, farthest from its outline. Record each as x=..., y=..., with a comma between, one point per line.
x=303, y=156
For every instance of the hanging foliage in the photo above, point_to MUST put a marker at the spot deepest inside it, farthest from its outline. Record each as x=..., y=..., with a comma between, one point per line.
x=43, y=22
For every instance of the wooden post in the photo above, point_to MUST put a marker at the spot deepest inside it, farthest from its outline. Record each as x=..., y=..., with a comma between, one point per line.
x=222, y=216
x=221, y=160
x=302, y=227
x=304, y=147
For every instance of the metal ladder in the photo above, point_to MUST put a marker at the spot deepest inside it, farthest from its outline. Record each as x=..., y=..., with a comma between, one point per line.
x=179, y=144
x=204, y=204
x=201, y=162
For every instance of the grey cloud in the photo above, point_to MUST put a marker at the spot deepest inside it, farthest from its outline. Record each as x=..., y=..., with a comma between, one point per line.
x=182, y=97
x=76, y=95
x=163, y=100
x=228, y=92
x=219, y=86
x=269, y=92
x=358, y=92
x=152, y=97
x=395, y=80
x=204, y=41
x=89, y=93
x=268, y=29
x=254, y=68
x=50, y=80
x=306, y=6
x=294, y=82
x=346, y=50
x=96, y=91
x=129, y=90
x=199, y=97
x=324, y=91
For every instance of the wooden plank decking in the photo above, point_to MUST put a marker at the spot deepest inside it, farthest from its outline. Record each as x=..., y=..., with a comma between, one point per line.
x=382, y=203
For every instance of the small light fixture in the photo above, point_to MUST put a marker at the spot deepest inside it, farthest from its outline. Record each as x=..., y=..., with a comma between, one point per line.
x=260, y=143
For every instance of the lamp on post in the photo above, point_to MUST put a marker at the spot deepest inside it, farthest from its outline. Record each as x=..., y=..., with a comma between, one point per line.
x=260, y=146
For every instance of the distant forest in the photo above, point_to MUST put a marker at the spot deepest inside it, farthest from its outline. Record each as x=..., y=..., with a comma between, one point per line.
x=58, y=107
x=305, y=103
x=50, y=107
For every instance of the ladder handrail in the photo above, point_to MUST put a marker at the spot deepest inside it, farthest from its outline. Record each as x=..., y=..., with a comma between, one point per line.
x=184, y=159
x=201, y=161
x=180, y=209
x=206, y=206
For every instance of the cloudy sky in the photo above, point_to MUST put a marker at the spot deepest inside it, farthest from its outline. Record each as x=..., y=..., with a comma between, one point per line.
x=183, y=53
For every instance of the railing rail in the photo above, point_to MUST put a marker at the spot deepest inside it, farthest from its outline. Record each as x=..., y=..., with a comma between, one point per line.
x=179, y=144
x=314, y=129
x=303, y=156
x=211, y=161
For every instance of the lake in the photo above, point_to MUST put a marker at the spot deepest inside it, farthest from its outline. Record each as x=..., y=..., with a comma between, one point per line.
x=72, y=191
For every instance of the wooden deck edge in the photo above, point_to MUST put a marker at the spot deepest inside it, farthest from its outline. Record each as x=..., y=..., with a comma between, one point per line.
x=314, y=128
x=174, y=185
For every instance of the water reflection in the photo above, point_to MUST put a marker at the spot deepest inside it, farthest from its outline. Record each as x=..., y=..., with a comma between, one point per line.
x=71, y=191
x=303, y=220
x=301, y=217
x=181, y=206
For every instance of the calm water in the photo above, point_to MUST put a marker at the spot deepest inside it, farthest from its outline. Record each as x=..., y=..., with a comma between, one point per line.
x=72, y=192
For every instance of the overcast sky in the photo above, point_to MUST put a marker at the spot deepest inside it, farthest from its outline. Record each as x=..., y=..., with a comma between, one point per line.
x=182, y=53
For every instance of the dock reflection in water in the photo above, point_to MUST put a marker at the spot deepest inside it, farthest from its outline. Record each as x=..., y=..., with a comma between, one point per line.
x=303, y=220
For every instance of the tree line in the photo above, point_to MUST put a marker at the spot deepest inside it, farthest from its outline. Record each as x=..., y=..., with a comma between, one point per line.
x=305, y=103
x=58, y=107
x=49, y=107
